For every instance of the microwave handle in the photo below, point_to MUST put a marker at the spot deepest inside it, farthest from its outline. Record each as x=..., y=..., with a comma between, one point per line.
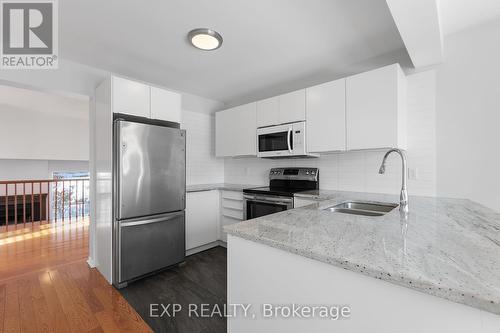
x=290, y=130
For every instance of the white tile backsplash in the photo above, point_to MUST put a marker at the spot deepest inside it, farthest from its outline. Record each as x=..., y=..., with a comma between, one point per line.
x=358, y=170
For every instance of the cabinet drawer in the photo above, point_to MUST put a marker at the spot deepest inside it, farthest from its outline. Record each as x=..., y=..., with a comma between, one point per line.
x=233, y=204
x=233, y=213
x=161, y=238
x=232, y=195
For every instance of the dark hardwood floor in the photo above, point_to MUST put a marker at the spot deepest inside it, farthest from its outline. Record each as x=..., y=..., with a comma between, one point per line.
x=202, y=280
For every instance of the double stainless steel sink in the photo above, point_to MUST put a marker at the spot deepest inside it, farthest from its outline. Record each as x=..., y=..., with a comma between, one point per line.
x=367, y=208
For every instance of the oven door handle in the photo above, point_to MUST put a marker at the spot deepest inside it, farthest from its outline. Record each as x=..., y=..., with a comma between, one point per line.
x=288, y=137
x=266, y=199
x=285, y=203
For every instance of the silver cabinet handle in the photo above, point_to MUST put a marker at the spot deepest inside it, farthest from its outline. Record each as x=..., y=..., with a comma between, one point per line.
x=149, y=221
x=288, y=140
x=275, y=201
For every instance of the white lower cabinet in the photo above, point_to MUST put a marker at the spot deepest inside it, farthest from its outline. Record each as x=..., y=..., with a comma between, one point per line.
x=231, y=210
x=301, y=202
x=202, y=218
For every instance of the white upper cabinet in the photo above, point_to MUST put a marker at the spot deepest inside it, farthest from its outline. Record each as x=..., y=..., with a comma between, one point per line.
x=376, y=109
x=325, y=117
x=139, y=99
x=130, y=97
x=235, y=131
x=224, y=129
x=268, y=112
x=292, y=106
x=165, y=105
x=364, y=111
x=282, y=109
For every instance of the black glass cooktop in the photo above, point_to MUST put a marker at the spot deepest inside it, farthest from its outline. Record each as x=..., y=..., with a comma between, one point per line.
x=281, y=191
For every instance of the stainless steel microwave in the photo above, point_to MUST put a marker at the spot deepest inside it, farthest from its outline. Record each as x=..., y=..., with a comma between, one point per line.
x=287, y=140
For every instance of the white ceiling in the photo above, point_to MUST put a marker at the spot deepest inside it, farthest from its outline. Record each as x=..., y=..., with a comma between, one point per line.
x=269, y=46
x=457, y=15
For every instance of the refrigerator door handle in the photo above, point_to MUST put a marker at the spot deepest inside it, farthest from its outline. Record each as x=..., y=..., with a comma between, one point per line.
x=170, y=216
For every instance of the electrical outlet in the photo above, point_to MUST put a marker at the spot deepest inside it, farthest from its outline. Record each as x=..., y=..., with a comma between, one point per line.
x=413, y=173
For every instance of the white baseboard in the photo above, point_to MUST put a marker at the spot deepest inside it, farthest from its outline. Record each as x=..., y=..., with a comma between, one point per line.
x=205, y=247
x=91, y=262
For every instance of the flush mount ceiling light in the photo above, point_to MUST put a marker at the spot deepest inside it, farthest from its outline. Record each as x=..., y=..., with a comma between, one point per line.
x=205, y=39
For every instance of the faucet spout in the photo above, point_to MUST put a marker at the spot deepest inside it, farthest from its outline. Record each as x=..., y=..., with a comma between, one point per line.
x=403, y=198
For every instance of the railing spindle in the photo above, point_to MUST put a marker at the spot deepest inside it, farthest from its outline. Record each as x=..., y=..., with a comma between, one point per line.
x=69, y=199
x=47, y=205
x=24, y=204
x=83, y=198
x=32, y=205
x=76, y=200
x=55, y=200
x=15, y=205
x=40, y=203
x=6, y=207
x=62, y=203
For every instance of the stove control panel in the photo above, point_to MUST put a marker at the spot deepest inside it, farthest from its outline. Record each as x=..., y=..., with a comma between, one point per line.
x=310, y=174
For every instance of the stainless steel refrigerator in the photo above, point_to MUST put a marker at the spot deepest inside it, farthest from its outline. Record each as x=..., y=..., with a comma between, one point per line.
x=149, y=197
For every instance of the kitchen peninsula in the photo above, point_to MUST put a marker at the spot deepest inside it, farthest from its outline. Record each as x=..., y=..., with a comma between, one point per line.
x=420, y=269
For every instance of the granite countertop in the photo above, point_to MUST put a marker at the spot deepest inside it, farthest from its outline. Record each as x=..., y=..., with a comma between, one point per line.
x=448, y=248
x=218, y=186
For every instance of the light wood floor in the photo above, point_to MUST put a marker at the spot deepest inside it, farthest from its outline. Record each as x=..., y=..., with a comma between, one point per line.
x=47, y=286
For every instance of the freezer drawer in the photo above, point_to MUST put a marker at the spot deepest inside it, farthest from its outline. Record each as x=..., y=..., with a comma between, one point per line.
x=145, y=246
x=150, y=169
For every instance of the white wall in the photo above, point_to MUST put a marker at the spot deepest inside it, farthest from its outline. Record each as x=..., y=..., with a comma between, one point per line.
x=37, y=169
x=358, y=171
x=43, y=126
x=468, y=117
x=202, y=167
x=70, y=77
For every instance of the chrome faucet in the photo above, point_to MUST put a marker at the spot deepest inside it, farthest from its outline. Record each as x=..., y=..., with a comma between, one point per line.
x=403, y=198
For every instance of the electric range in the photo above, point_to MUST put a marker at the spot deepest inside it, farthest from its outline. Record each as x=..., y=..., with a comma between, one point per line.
x=278, y=196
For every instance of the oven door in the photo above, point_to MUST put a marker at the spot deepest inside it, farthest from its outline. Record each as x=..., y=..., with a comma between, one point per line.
x=261, y=205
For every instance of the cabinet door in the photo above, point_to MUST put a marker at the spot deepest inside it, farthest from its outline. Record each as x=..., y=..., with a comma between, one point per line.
x=326, y=117
x=202, y=211
x=235, y=131
x=130, y=97
x=376, y=109
x=165, y=105
x=268, y=111
x=301, y=202
x=245, y=118
x=224, y=131
x=292, y=106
